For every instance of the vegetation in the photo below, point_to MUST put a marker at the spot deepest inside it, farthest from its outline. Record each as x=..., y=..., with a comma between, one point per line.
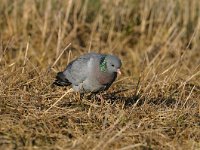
x=154, y=104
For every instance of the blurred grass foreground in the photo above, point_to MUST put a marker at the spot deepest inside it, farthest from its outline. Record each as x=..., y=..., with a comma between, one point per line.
x=155, y=104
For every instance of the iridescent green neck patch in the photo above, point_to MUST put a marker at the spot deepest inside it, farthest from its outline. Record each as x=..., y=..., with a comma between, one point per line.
x=103, y=64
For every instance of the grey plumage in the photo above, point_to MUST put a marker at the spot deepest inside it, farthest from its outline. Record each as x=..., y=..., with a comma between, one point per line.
x=91, y=72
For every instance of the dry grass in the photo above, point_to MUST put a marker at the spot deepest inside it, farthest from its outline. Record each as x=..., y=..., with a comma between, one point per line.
x=155, y=104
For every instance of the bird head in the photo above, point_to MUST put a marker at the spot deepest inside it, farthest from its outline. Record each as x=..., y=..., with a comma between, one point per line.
x=110, y=64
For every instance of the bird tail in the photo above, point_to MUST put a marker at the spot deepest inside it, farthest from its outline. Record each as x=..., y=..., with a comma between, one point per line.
x=61, y=80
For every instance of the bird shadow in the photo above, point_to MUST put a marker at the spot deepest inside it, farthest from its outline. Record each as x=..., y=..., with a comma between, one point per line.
x=114, y=98
x=127, y=101
x=138, y=99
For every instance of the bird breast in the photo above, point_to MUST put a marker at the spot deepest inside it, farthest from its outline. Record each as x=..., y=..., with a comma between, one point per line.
x=102, y=78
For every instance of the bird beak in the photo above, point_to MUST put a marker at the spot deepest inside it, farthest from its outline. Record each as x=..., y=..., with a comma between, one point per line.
x=119, y=72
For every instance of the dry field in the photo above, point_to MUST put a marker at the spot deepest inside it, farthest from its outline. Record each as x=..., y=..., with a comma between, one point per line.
x=153, y=105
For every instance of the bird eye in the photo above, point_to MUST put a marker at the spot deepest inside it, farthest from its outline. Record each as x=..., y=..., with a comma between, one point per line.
x=112, y=65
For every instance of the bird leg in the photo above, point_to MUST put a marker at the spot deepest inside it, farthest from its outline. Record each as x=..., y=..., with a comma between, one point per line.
x=101, y=98
x=81, y=96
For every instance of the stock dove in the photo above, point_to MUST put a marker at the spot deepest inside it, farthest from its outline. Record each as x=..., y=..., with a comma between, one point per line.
x=91, y=72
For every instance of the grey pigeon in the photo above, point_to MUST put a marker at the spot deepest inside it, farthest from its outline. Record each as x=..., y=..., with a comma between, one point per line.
x=91, y=72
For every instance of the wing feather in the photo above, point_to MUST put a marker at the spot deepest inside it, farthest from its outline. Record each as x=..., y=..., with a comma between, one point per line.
x=78, y=70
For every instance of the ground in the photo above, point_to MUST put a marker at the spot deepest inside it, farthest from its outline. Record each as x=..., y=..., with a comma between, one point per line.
x=154, y=104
